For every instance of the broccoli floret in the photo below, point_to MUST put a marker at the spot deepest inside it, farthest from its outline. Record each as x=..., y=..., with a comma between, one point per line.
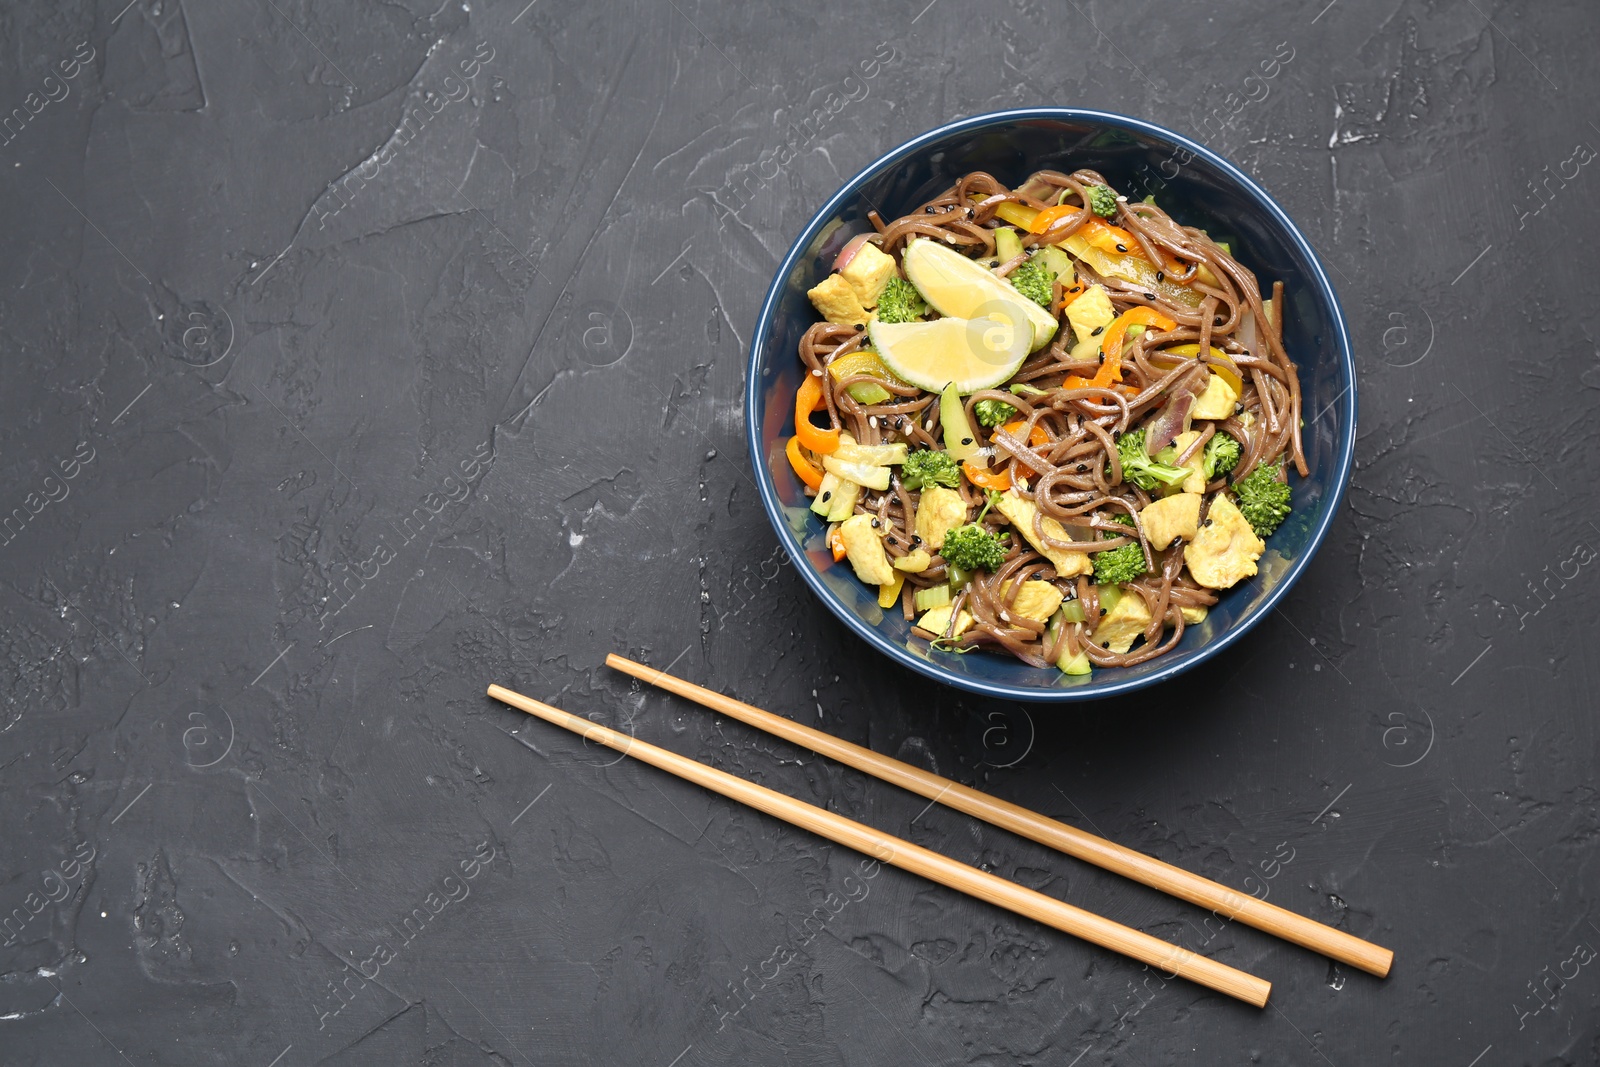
x=928, y=466
x=1102, y=201
x=1221, y=455
x=1120, y=564
x=993, y=412
x=1140, y=469
x=900, y=302
x=1263, y=500
x=1035, y=281
x=971, y=547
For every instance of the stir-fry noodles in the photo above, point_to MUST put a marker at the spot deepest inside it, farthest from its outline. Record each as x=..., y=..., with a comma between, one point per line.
x=1046, y=421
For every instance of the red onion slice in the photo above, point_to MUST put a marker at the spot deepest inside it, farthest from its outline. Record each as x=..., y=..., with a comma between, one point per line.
x=848, y=252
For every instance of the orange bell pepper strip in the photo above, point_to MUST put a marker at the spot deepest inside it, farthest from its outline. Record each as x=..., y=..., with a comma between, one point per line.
x=1036, y=436
x=809, y=434
x=1111, y=347
x=984, y=478
x=836, y=543
x=1069, y=294
x=1119, y=242
x=1111, y=342
x=803, y=468
x=1109, y=238
x=1052, y=215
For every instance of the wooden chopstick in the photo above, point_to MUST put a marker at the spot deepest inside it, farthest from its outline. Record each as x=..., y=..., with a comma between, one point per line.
x=1166, y=957
x=1308, y=933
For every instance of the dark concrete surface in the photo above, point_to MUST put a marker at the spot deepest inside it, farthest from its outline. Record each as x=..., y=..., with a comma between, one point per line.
x=320, y=414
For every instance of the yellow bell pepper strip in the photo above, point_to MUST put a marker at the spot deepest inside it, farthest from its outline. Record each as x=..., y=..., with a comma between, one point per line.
x=1111, y=346
x=1036, y=437
x=889, y=592
x=1017, y=214
x=802, y=466
x=864, y=361
x=984, y=478
x=1133, y=267
x=809, y=434
x=836, y=542
x=1229, y=374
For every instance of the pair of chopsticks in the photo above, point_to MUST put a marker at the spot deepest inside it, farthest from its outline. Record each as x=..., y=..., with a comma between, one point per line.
x=1164, y=956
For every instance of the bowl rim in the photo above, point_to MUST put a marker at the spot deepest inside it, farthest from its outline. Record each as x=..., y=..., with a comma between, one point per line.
x=773, y=507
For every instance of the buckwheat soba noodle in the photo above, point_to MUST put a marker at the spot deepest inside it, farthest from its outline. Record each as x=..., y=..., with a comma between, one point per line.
x=1048, y=421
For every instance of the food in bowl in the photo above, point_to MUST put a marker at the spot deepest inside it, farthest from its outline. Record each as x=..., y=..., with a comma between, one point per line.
x=1056, y=424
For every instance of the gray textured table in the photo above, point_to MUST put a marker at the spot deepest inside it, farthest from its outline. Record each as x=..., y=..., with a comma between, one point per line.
x=358, y=355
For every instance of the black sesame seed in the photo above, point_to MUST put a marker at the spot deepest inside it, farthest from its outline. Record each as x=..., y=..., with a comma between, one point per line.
x=1238, y=409
x=1161, y=276
x=1037, y=575
x=1206, y=523
x=1103, y=611
x=916, y=539
x=861, y=326
x=966, y=440
x=1097, y=331
x=1149, y=296
x=930, y=209
x=1082, y=467
x=876, y=524
x=891, y=540
x=969, y=213
x=1122, y=248
x=826, y=495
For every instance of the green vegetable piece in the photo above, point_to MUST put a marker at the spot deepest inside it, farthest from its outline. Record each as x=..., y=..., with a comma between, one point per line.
x=844, y=501
x=957, y=578
x=1109, y=596
x=1139, y=469
x=971, y=548
x=1055, y=260
x=1024, y=389
x=1102, y=201
x=1118, y=565
x=959, y=438
x=928, y=466
x=993, y=412
x=1068, y=664
x=1263, y=500
x=1075, y=665
x=1221, y=455
x=1072, y=611
x=1035, y=281
x=935, y=596
x=900, y=302
x=1007, y=244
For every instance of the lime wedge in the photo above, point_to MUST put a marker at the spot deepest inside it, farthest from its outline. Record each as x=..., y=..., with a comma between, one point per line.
x=971, y=353
x=962, y=288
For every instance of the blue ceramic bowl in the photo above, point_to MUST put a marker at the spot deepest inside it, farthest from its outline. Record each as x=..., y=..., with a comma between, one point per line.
x=1198, y=188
